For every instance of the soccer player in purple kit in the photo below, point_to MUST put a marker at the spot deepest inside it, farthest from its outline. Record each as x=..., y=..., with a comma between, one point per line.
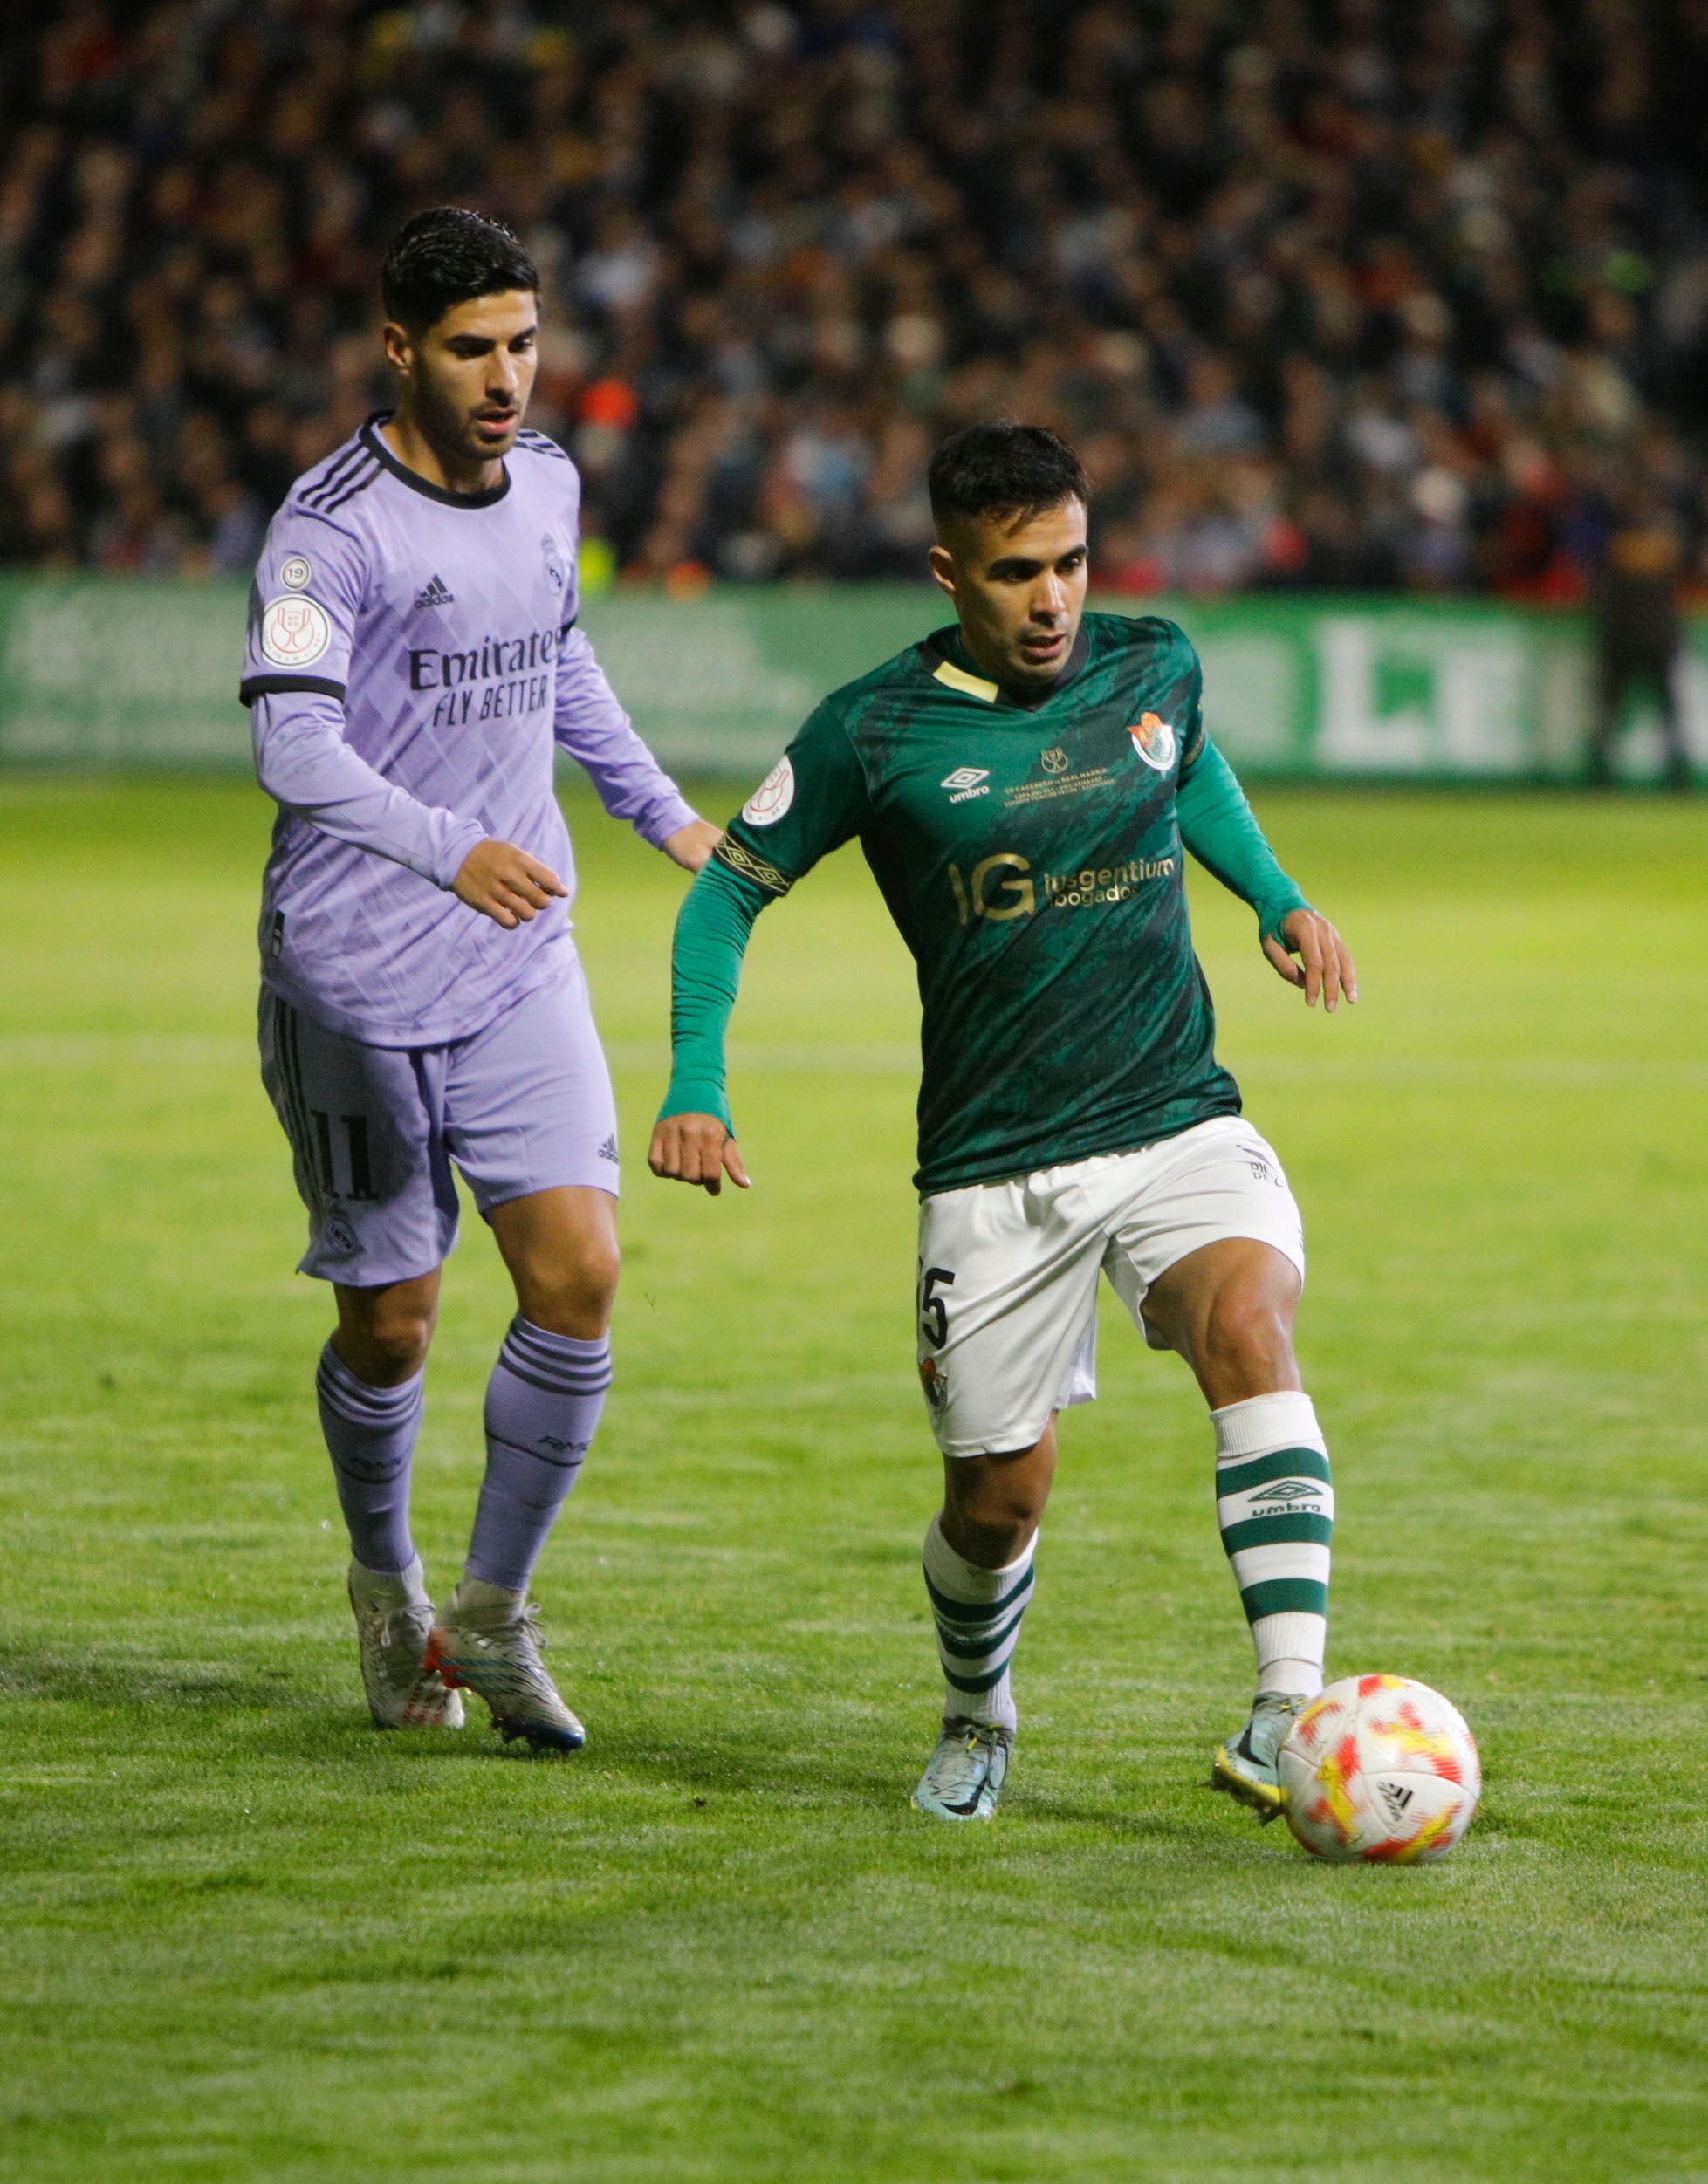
x=412, y=663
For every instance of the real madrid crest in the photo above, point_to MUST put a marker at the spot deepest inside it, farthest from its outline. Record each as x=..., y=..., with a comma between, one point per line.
x=1154, y=741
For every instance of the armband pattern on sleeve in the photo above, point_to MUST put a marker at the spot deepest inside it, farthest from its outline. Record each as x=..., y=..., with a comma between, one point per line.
x=741, y=860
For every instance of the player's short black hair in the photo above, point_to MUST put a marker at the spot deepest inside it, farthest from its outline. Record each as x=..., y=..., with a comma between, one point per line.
x=1003, y=470
x=443, y=257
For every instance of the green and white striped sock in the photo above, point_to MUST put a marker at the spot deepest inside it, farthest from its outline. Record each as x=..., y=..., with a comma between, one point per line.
x=1275, y=1505
x=977, y=1613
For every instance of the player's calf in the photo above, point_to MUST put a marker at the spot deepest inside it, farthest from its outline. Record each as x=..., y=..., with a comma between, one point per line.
x=1275, y=1506
x=977, y=1613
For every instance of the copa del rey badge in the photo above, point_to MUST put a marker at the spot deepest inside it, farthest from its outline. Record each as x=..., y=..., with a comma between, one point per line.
x=1153, y=739
x=295, y=631
x=772, y=798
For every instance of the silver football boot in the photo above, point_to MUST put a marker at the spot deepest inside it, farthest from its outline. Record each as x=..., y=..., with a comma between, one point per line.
x=964, y=1775
x=394, y=1616
x=487, y=1641
x=1246, y=1769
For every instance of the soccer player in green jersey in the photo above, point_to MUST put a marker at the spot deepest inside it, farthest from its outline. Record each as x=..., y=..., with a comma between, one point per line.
x=1023, y=786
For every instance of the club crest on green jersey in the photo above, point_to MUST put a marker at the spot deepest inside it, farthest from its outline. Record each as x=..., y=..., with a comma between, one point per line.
x=1153, y=739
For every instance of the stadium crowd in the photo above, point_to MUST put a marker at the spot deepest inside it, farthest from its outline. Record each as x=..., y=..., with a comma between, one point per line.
x=1329, y=292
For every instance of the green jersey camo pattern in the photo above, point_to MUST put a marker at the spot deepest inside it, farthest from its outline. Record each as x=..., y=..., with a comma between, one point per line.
x=1031, y=859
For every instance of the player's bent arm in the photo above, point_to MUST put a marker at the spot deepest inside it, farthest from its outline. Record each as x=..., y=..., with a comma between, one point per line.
x=305, y=765
x=589, y=722
x=1221, y=831
x=694, y=1140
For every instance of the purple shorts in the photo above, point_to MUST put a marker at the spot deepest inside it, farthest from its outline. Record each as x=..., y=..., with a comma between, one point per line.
x=524, y=1104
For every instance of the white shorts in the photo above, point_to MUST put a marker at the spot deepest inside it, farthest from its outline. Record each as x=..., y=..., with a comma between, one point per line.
x=1007, y=1291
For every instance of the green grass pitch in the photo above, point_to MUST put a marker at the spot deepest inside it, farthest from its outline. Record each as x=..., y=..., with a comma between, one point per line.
x=245, y=1937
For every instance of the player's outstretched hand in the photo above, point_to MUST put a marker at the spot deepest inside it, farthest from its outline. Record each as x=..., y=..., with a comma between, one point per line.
x=1324, y=964
x=696, y=1149
x=690, y=846
x=503, y=883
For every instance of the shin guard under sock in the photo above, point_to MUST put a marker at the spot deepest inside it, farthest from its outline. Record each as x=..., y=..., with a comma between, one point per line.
x=1275, y=1505
x=542, y=1404
x=371, y=1439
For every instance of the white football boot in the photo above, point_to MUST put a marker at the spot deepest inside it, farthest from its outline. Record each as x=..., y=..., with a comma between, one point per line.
x=487, y=1641
x=394, y=1616
x=1246, y=1769
x=964, y=1775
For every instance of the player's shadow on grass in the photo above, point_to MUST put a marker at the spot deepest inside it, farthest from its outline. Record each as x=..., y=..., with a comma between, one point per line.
x=747, y=1761
x=128, y=1680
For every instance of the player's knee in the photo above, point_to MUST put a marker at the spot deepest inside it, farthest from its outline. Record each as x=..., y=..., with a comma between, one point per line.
x=1249, y=1327
x=995, y=1504
x=991, y=1538
x=575, y=1299
x=389, y=1347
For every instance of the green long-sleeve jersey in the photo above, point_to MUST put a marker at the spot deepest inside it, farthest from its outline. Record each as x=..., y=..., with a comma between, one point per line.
x=1031, y=856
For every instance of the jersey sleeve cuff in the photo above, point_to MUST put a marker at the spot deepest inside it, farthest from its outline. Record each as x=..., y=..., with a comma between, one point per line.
x=697, y=1096
x=1272, y=916
x=661, y=825
x=455, y=847
x=270, y=686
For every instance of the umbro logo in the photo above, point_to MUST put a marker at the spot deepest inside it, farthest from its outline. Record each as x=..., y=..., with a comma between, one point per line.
x=608, y=1150
x=1396, y=1796
x=965, y=781
x=435, y=593
x=1287, y=1494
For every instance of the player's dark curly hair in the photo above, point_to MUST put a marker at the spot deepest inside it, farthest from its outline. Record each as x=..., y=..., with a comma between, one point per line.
x=1005, y=469
x=443, y=257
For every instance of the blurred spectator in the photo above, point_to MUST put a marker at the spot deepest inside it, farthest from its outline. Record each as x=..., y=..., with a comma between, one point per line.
x=1337, y=292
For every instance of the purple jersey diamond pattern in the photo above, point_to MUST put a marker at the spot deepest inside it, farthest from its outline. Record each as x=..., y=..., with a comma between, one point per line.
x=413, y=662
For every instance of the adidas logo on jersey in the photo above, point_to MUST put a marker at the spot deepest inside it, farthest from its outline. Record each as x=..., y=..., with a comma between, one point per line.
x=608, y=1150
x=435, y=593
x=965, y=781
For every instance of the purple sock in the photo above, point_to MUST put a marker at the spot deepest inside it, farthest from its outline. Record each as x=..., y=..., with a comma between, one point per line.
x=542, y=1407
x=371, y=1438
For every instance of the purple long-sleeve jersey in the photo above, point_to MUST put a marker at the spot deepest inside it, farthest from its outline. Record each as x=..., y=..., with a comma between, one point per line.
x=413, y=657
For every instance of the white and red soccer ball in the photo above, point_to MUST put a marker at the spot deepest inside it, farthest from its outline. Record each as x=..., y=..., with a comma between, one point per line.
x=1380, y=1768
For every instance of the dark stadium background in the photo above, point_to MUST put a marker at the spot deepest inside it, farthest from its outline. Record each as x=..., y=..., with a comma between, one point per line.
x=1350, y=295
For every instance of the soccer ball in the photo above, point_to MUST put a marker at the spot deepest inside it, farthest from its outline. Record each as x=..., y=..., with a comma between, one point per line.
x=1380, y=1768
